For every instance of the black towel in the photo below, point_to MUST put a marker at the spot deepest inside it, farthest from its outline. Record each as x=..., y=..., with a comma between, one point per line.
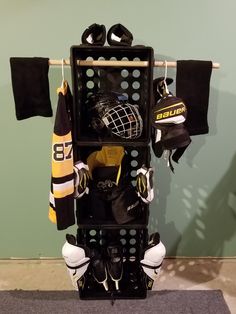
x=193, y=86
x=30, y=87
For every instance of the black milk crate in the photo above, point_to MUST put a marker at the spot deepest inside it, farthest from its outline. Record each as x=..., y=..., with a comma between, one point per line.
x=133, y=282
x=136, y=157
x=133, y=81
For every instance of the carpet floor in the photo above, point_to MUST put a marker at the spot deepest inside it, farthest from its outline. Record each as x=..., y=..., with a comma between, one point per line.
x=161, y=302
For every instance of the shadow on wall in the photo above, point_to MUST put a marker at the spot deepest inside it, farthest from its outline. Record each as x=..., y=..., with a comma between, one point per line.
x=214, y=222
x=207, y=233
x=205, y=236
x=199, y=141
x=168, y=231
x=157, y=221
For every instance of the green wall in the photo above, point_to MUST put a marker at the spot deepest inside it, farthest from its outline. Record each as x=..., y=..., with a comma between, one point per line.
x=190, y=209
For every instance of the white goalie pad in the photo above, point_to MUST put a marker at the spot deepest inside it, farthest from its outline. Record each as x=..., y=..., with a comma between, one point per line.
x=153, y=258
x=76, y=262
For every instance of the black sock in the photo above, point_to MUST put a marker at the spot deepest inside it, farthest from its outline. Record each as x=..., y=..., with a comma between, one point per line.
x=193, y=85
x=30, y=87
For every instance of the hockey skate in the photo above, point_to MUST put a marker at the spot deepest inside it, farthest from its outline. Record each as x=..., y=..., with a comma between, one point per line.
x=115, y=263
x=98, y=267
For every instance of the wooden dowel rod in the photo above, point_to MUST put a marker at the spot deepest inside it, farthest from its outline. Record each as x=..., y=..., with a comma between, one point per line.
x=116, y=63
x=173, y=64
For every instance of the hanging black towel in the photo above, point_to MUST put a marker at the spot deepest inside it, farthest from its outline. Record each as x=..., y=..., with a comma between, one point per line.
x=193, y=86
x=30, y=87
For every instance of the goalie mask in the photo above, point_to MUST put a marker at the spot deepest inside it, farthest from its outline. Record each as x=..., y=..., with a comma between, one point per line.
x=112, y=113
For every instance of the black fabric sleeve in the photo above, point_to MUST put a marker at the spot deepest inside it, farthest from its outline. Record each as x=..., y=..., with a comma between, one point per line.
x=30, y=86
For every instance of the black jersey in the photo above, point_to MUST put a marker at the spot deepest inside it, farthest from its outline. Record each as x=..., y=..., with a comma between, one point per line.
x=61, y=209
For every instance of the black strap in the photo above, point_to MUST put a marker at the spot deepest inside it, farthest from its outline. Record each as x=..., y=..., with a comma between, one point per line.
x=150, y=267
x=178, y=153
x=170, y=163
x=78, y=266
